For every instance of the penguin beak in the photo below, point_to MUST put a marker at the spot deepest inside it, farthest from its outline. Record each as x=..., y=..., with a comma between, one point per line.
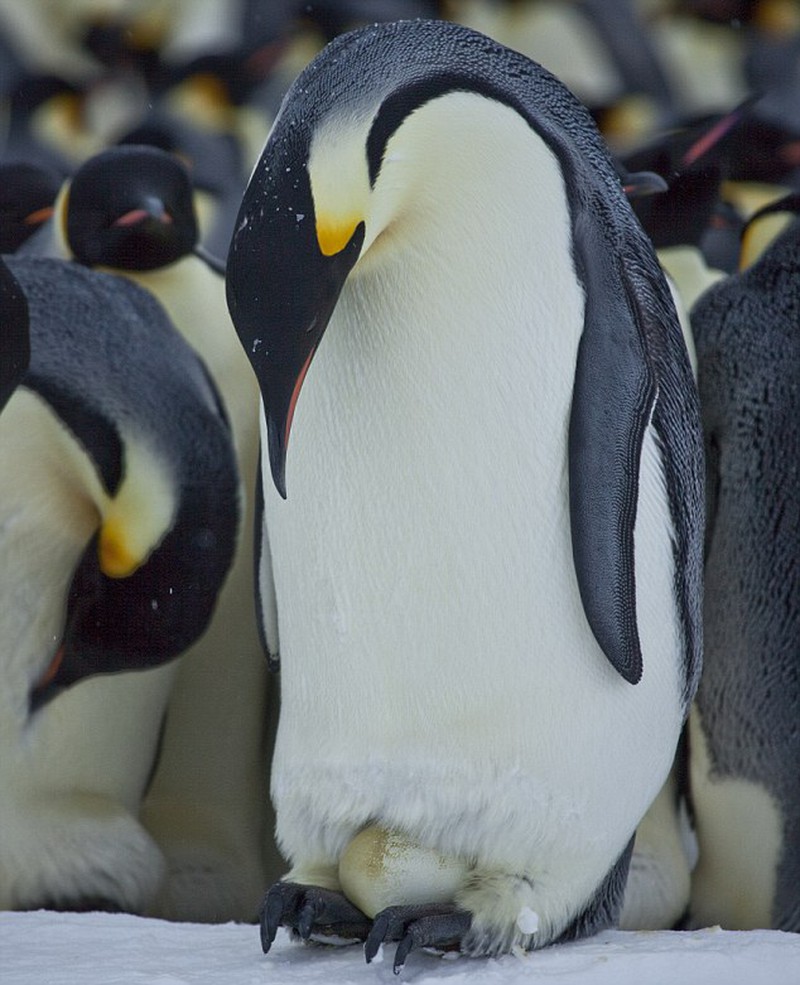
x=46, y=688
x=638, y=184
x=152, y=209
x=284, y=277
x=38, y=216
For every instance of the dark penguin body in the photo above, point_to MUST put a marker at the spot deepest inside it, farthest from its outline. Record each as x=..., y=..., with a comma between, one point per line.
x=120, y=511
x=745, y=731
x=15, y=345
x=395, y=212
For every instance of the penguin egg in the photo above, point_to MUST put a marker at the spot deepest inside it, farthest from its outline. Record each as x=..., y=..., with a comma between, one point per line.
x=381, y=868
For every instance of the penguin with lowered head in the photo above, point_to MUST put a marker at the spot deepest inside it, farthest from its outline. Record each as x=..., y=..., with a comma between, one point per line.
x=481, y=553
x=119, y=510
x=130, y=210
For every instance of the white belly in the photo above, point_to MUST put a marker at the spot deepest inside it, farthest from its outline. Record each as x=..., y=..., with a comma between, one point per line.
x=438, y=672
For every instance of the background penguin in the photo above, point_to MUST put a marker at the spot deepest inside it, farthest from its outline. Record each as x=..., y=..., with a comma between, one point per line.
x=130, y=210
x=119, y=507
x=27, y=194
x=217, y=168
x=678, y=219
x=764, y=226
x=744, y=732
x=423, y=752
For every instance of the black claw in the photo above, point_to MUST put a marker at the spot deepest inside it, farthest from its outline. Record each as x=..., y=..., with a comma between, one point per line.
x=438, y=925
x=308, y=910
x=279, y=901
x=404, y=948
x=306, y=919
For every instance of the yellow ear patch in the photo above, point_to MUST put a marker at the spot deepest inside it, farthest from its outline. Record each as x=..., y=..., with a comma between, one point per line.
x=118, y=559
x=759, y=234
x=333, y=234
x=141, y=513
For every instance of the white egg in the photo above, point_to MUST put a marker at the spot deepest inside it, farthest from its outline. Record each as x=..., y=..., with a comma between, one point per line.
x=381, y=868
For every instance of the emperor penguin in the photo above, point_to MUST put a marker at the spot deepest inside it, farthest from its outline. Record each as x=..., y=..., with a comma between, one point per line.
x=744, y=734
x=119, y=510
x=677, y=219
x=480, y=562
x=129, y=210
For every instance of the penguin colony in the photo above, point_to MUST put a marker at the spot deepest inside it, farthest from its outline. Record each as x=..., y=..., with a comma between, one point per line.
x=521, y=540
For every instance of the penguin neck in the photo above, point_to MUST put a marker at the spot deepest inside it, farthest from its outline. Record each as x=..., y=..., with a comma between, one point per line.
x=469, y=210
x=468, y=254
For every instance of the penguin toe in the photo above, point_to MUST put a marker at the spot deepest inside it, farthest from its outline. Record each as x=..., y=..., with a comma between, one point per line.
x=310, y=911
x=436, y=925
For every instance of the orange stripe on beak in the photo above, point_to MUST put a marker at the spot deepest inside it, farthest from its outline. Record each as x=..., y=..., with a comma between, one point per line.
x=295, y=394
x=38, y=216
x=49, y=675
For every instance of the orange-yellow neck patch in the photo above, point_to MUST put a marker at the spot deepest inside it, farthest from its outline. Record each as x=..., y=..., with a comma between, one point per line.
x=333, y=234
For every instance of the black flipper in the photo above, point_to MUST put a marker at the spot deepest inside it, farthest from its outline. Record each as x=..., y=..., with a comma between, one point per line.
x=612, y=402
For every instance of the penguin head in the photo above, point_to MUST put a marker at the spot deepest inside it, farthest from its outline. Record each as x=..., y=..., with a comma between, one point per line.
x=137, y=427
x=27, y=194
x=129, y=207
x=765, y=225
x=692, y=159
x=14, y=334
x=344, y=170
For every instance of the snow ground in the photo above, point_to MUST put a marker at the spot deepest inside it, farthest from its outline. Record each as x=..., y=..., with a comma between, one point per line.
x=45, y=948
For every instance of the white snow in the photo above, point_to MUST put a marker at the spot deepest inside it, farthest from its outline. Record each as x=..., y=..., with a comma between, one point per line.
x=46, y=948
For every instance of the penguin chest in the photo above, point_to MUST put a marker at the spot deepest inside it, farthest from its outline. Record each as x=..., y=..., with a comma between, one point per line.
x=429, y=615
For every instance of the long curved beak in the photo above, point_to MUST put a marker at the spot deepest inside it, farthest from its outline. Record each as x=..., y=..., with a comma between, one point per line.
x=282, y=289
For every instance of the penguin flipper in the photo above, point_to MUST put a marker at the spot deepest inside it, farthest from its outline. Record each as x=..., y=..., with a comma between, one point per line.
x=613, y=397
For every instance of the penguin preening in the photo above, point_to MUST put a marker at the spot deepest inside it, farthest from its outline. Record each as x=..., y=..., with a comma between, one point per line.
x=744, y=733
x=130, y=210
x=485, y=576
x=119, y=502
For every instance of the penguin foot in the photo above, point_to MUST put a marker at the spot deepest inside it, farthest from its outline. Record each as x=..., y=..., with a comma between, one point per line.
x=436, y=925
x=310, y=910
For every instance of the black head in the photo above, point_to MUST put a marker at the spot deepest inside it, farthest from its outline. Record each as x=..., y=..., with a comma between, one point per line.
x=131, y=207
x=136, y=398
x=27, y=194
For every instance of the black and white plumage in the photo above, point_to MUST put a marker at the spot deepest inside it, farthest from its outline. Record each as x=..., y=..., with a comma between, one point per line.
x=130, y=210
x=119, y=511
x=486, y=575
x=744, y=728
